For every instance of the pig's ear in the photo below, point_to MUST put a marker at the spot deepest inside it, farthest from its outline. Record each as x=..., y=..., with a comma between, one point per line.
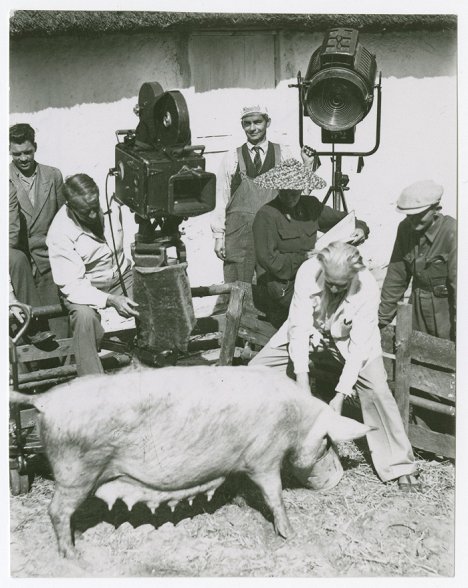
x=343, y=429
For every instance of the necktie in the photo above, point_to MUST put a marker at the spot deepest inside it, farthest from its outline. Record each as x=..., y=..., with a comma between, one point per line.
x=257, y=159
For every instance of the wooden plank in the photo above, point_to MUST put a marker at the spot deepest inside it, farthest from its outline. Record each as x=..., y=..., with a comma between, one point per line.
x=432, y=350
x=403, y=361
x=387, y=337
x=233, y=316
x=434, y=382
x=433, y=405
x=32, y=353
x=438, y=443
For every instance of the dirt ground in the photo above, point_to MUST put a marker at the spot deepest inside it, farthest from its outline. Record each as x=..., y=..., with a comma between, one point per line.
x=360, y=528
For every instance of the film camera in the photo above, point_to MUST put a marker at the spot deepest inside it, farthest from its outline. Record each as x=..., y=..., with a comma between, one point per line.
x=161, y=177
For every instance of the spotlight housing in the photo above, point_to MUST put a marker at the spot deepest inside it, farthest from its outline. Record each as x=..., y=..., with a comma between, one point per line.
x=338, y=88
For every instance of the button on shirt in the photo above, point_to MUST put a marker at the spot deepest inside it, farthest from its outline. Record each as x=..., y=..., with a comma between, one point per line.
x=84, y=265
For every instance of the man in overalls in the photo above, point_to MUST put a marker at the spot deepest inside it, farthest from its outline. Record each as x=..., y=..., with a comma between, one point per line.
x=237, y=197
x=426, y=251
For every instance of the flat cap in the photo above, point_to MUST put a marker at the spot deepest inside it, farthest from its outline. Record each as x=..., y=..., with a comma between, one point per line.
x=419, y=197
x=291, y=174
x=254, y=109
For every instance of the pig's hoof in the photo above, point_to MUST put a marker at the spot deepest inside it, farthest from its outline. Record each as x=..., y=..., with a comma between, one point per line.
x=68, y=551
x=284, y=530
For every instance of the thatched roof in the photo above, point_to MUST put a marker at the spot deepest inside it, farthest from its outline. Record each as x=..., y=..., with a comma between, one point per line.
x=58, y=22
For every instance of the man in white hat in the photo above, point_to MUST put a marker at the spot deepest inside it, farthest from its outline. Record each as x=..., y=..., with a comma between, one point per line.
x=425, y=251
x=237, y=197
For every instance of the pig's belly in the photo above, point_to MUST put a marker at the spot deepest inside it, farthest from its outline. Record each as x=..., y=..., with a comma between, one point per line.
x=133, y=491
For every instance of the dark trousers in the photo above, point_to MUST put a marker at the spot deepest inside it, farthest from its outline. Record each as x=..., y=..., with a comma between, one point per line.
x=87, y=331
x=35, y=289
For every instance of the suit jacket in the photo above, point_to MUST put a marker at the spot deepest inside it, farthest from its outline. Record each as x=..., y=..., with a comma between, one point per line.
x=36, y=220
x=353, y=325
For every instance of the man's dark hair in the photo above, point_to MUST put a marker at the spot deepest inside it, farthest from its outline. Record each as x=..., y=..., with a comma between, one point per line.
x=78, y=185
x=21, y=133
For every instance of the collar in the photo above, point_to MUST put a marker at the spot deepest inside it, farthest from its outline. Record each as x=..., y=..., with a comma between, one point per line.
x=20, y=176
x=432, y=231
x=263, y=146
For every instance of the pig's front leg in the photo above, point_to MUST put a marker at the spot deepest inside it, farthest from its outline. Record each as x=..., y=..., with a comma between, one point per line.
x=270, y=485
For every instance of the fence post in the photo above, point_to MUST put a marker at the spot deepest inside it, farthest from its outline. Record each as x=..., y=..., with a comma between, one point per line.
x=403, y=332
x=233, y=317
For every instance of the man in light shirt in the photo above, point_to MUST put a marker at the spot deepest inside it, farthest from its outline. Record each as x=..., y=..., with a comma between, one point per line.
x=86, y=268
x=237, y=197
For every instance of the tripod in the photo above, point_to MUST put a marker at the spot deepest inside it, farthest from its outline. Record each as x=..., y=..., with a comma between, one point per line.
x=339, y=185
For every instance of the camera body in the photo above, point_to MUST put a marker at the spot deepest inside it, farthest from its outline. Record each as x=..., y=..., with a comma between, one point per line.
x=161, y=182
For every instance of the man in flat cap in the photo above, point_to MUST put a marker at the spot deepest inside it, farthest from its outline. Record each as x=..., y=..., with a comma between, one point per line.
x=237, y=197
x=425, y=251
x=285, y=231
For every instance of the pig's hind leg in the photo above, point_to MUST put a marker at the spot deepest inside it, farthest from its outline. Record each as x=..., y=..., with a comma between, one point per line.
x=271, y=488
x=76, y=473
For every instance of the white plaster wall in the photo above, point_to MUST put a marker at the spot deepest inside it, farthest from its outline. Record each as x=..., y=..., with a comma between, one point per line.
x=76, y=92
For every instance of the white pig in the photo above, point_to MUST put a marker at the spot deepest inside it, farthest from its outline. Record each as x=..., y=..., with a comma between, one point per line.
x=164, y=435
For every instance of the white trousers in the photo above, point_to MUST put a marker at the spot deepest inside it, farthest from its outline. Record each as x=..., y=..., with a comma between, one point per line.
x=389, y=445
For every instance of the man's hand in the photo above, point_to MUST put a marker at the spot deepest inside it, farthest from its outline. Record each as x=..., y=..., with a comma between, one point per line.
x=219, y=248
x=302, y=380
x=357, y=237
x=123, y=305
x=307, y=155
x=336, y=403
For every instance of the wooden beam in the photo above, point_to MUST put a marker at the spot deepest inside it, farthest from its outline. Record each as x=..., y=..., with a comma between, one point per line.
x=403, y=361
x=438, y=443
x=432, y=381
x=432, y=350
x=233, y=316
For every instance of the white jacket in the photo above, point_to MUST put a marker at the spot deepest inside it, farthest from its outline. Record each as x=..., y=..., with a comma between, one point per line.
x=84, y=266
x=353, y=326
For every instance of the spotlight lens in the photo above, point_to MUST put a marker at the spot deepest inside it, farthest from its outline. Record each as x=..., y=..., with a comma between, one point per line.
x=335, y=104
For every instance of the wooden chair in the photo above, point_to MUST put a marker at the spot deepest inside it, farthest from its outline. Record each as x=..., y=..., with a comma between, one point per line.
x=424, y=364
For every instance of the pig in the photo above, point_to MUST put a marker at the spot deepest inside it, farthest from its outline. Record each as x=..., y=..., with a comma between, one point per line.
x=164, y=435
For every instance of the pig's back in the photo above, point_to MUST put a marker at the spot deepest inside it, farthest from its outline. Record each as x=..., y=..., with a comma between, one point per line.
x=170, y=425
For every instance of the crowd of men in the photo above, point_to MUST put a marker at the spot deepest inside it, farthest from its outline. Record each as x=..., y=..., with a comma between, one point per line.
x=265, y=227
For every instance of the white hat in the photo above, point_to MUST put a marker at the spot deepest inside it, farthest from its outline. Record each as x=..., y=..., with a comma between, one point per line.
x=255, y=109
x=419, y=197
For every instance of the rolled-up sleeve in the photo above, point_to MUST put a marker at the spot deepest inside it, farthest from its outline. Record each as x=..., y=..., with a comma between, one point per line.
x=69, y=273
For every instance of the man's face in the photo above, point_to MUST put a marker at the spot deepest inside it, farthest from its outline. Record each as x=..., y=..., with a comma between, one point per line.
x=87, y=210
x=22, y=155
x=423, y=220
x=336, y=282
x=255, y=127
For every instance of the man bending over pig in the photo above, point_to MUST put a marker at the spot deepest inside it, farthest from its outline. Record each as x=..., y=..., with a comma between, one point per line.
x=334, y=313
x=86, y=267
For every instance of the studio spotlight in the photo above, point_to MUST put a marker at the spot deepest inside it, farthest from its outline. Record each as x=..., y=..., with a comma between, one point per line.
x=337, y=93
x=339, y=85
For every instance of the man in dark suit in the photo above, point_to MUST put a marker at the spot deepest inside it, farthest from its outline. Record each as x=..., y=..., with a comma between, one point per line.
x=38, y=193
